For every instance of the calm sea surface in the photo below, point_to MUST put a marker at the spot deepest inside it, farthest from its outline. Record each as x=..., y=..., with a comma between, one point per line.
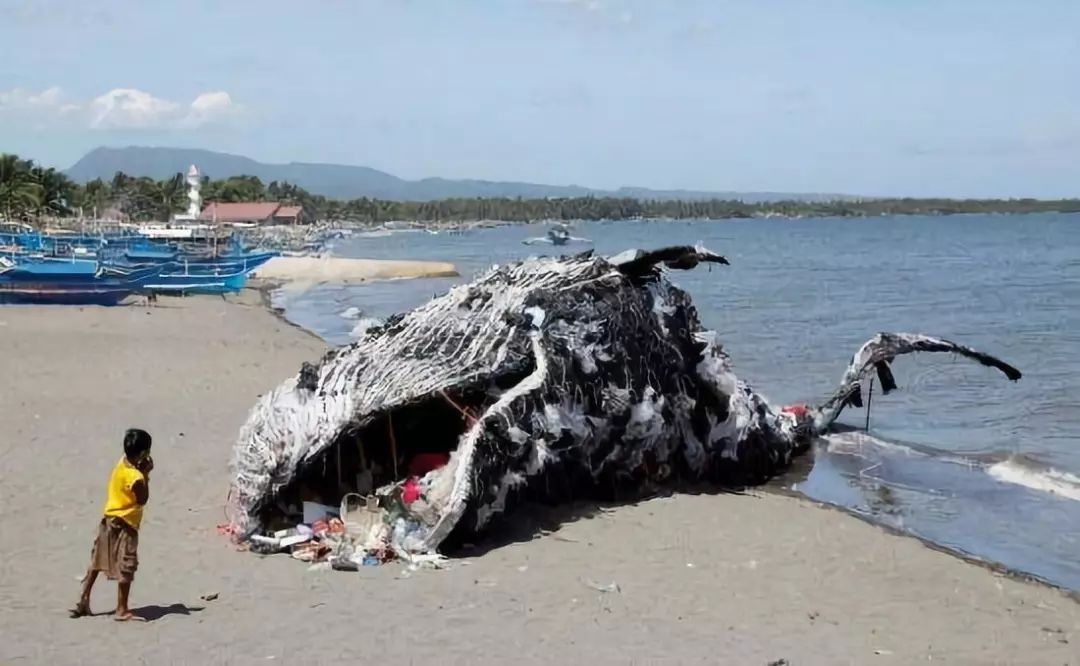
x=959, y=455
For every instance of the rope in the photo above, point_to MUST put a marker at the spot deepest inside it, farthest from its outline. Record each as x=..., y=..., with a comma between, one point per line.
x=393, y=442
x=464, y=411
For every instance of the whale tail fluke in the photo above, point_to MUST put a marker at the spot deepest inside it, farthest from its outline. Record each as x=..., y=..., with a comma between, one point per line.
x=877, y=353
x=643, y=264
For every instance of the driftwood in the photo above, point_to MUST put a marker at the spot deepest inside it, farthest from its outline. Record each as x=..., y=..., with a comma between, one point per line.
x=539, y=377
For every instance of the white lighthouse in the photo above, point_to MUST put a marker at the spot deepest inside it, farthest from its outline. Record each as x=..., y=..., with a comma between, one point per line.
x=183, y=225
x=194, y=208
x=194, y=182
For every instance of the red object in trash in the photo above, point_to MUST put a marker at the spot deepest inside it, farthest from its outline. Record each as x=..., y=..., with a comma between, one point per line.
x=423, y=463
x=798, y=410
x=410, y=492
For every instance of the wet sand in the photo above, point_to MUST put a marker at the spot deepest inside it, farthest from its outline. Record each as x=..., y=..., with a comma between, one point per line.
x=747, y=579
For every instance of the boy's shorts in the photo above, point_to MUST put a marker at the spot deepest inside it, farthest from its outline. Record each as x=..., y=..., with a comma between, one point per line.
x=115, y=550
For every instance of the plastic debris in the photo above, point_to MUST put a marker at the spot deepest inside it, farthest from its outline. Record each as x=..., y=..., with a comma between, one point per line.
x=295, y=539
x=265, y=540
x=343, y=565
x=310, y=551
x=410, y=492
x=599, y=587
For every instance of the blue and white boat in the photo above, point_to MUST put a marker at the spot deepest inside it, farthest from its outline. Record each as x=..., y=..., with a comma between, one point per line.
x=29, y=287
x=195, y=282
x=56, y=267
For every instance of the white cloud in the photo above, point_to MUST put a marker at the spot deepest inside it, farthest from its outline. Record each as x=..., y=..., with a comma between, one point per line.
x=127, y=108
x=210, y=107
x=18, y=98
x=120, y=108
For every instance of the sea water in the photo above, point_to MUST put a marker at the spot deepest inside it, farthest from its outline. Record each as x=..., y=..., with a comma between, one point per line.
x=959, y=455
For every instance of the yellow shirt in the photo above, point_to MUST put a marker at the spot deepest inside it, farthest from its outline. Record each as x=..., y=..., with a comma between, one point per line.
x=120, y=498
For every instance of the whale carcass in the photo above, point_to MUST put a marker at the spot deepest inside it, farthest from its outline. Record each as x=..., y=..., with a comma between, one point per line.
x=538, y=379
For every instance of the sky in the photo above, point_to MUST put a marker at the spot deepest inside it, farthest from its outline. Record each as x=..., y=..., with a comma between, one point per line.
x=961, y=98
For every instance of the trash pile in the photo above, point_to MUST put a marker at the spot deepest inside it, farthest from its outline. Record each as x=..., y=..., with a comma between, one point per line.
x=364, y=530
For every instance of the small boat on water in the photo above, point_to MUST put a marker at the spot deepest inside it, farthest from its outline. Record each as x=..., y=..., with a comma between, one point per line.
x=559, y=234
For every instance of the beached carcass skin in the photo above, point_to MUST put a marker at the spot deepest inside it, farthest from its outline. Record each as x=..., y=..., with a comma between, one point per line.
x=589, y=371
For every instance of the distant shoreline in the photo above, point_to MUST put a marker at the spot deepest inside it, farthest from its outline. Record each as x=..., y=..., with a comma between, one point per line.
x=509, y=211
x=37, y=193
x=477, y=223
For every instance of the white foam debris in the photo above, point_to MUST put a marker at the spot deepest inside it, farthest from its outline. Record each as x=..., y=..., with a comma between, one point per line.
x=1047, y=480
x=624, y=257
x=363, y=326
x=536, y=315
x=517, y=435
x=853, y=443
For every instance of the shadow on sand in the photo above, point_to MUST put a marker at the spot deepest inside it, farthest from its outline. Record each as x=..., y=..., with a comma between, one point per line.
x=153, y=612
x=533, y=519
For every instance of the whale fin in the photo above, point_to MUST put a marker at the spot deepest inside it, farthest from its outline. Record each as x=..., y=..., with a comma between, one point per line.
x=683, y=257
x=880, y=350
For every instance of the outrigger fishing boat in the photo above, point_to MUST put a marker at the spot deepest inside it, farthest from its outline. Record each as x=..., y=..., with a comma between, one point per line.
x=18, y=285
x=177, y=272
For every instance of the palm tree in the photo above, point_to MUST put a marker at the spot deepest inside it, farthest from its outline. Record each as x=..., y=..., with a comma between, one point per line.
x=56, y=191
x=19, y=194
x=171, y=194
x=96, y=196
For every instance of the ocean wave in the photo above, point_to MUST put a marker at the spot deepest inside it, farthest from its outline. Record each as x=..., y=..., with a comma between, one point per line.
x=853, y=442
x=1046, y=479
x=363, y=325
x=1016, y=469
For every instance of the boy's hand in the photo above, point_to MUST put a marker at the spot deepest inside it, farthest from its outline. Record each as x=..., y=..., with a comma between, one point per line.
x=147, y=465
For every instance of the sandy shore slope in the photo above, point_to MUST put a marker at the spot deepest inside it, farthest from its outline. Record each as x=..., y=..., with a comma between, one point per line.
x=345, y=269
x=701, y=579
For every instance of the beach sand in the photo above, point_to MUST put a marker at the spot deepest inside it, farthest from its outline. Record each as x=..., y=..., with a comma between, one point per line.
x=728, y=579
x=347, y=269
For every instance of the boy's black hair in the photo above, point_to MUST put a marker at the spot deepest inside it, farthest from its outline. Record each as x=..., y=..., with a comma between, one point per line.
x=135, y=442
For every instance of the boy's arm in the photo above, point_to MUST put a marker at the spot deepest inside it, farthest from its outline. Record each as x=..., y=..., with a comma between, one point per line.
x=141, y=488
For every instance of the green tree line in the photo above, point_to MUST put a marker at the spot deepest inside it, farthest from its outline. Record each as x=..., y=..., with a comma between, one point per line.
x=29, y=192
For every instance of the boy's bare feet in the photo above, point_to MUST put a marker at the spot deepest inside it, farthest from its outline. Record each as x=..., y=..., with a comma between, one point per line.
x=128, y=616
x=81, y=609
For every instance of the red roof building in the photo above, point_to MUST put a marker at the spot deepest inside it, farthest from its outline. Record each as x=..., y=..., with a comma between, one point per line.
x=289, y=215
x=263, y=212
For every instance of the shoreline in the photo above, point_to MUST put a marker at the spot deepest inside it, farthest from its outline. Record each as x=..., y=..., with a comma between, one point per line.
x=755, y=577
x=992, y=566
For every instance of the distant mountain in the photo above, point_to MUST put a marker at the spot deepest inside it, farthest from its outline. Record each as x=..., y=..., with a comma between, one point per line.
x=350, y=182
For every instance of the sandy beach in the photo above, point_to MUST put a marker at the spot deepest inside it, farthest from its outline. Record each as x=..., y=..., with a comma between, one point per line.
x=344, y=270
x=718, y=578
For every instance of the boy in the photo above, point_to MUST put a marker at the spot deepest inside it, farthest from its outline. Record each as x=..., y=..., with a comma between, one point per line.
x=115, y=549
